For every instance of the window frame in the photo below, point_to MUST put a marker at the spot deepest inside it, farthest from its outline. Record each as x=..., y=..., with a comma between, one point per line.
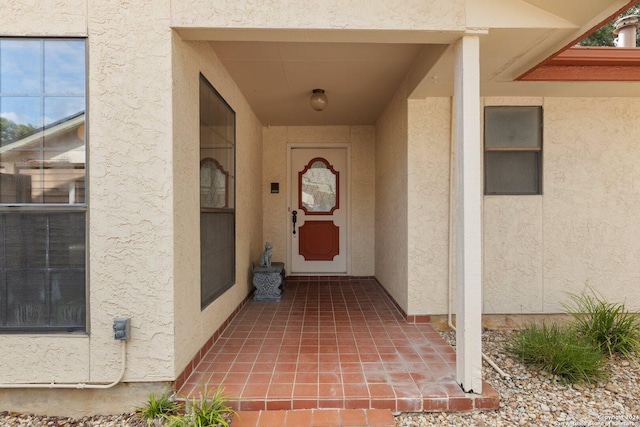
x=206, y=298
x=515, y=149
x=56, y=208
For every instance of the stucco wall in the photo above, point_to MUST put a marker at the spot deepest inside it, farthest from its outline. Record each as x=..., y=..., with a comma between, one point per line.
x=363, y=200
x=194, y=327
x=429, y=138
x=391, y=221
x=582, y=232
x=27, y=17
x=316, y=14
x=130, y=184
x=130, y=232
x=362, y=193
x=591, y=202
x=135, y=198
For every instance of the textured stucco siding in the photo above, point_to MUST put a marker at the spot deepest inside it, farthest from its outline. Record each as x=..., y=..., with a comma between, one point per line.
x=140, y=267
x=391, y=255
x=275, y=218
x=43, y=18
x=583, y=231
x=363, y=200
x=28, y=358
x=513, y=242
x=591, y=199
x=130, y=181
x=194, y=327
x=320, y=14
x=513, y=251
x=361, y=140
x=24, y=358
x=429, y=138
x=130, y=255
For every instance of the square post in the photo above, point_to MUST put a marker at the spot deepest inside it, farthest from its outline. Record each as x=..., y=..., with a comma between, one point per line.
x=468, y=214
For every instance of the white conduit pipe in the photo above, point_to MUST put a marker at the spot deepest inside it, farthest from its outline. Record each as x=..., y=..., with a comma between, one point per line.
x=77, y=385
x=503, y=374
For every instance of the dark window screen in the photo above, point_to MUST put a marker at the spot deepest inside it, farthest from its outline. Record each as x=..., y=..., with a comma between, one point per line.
x=217, y=194
x=42, y=271
x=514, y=172
x=513, y=150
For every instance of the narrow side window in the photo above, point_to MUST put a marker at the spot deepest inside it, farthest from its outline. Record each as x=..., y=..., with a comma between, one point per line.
x=217, y=194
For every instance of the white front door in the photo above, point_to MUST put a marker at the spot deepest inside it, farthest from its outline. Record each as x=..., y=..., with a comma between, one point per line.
x=318, y=211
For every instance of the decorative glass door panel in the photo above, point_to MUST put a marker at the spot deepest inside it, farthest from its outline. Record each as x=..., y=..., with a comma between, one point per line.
x=318, y=217
x=318, y=189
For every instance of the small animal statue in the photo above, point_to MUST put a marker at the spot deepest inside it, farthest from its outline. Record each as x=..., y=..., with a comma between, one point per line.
x=265, y=258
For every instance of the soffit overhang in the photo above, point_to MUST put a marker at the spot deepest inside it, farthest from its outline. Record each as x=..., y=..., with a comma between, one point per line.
x=361, y=69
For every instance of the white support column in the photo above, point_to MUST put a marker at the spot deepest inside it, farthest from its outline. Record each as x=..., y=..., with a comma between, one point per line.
x=468, y=225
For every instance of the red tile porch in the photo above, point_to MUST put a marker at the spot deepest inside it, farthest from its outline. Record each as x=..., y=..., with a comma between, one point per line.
x=315, y=418
x=334, y=342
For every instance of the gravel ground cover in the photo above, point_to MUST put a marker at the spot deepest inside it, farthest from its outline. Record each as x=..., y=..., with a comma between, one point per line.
x=530, y=398
x=22, y=420
x=534, y=398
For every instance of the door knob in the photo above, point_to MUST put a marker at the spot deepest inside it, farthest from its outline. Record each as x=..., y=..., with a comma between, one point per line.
x=294, y=219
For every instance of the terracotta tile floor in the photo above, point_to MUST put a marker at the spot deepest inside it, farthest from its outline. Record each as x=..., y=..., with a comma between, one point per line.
x=315, y=418
x=333, y=343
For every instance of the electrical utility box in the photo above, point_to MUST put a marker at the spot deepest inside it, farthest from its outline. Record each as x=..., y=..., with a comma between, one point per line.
x=122, y=328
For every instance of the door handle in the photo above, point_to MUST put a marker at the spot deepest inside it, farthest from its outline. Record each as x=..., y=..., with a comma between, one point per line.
x=294, y=219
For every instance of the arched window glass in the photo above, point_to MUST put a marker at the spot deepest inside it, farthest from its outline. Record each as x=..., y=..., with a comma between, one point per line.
x=318, y=187
x=214, y=184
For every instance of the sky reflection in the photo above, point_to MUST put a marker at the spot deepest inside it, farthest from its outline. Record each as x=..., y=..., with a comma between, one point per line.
x=41, y=81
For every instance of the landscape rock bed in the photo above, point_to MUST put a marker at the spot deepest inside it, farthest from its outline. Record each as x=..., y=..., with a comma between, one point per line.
x=532, y=398
x=12, y=419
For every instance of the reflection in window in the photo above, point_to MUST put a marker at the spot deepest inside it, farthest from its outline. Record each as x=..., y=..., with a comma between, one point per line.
x=42, y=163
x=42, y=121
x=217, y=194
x=214, y=181
x=318, y=187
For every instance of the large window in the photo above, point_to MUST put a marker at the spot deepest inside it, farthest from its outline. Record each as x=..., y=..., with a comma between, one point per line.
x=217, y=194
x=42, y=185
x=513, y=150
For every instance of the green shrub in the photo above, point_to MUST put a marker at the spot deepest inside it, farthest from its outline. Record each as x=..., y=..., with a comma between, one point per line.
x=558, y=351
x=204, y=411
x=610, y=326
x=158, y=408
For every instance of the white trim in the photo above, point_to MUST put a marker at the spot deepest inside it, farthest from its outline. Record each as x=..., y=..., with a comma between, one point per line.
x=468, y=225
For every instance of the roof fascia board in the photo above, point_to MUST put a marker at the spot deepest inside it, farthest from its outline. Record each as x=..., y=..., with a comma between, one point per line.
x=548, y=70
x=585, y=73
x=582, y=55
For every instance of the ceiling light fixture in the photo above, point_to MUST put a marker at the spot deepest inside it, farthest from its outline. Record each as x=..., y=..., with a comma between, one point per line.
x=318, y=100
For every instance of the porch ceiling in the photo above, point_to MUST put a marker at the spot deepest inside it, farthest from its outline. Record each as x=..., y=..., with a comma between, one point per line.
x=277, y=78
x=276, y=69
